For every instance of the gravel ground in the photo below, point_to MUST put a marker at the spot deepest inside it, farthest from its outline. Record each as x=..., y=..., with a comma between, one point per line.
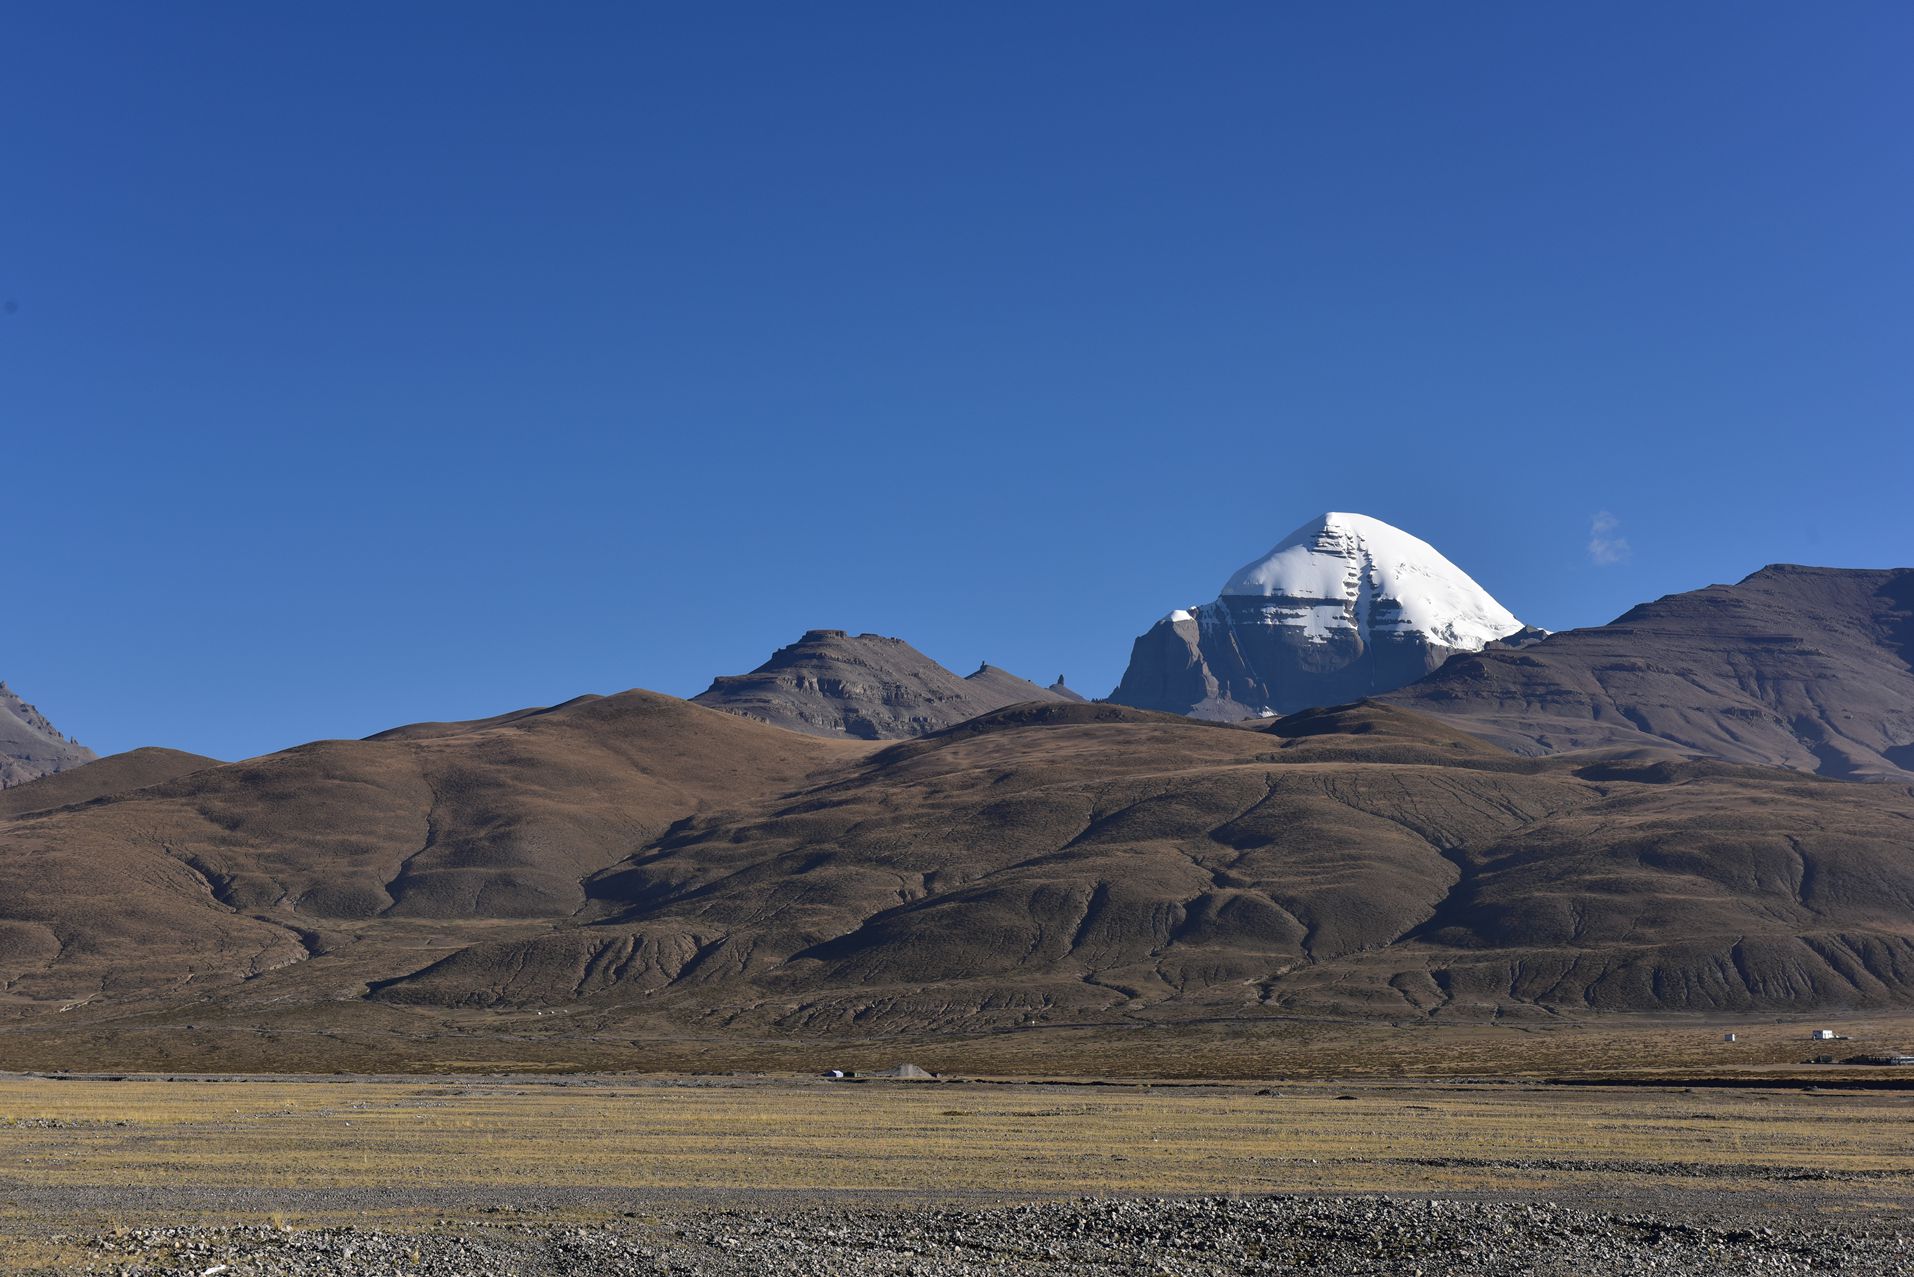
x=1345, y=1236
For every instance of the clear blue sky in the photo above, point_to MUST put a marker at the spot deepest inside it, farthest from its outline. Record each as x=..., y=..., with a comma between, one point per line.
x=365, y=363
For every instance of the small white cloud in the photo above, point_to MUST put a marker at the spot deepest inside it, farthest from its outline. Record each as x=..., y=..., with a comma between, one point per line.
x=1604, y=546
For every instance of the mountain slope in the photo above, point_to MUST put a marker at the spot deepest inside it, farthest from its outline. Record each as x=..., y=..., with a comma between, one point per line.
x=30, y=746
x=1059, y=862
x=1344, y=607
x=236, y=869
x=1096, y=864
x=1799, y=667
x=869, y=687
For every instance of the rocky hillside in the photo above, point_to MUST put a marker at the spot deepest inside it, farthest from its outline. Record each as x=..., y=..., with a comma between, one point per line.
x=868, y=687
x=30, y=746
x=1800, y=667
x=1344, y=607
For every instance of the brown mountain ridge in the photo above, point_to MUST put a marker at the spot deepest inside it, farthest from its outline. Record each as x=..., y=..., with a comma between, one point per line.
x=1800, y=667
x=639, y=859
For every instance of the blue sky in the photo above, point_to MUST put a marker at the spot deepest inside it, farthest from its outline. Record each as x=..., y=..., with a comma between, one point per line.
x=365, y=363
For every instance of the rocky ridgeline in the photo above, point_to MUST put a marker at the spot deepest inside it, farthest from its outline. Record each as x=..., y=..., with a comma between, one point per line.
x=1202, y=1237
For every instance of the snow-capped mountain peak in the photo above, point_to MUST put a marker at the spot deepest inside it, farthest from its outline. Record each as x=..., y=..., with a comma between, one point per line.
x=1348, y=571
x=1344, y=607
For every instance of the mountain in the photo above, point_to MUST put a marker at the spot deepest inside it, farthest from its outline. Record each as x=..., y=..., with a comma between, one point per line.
x=645, y=867
x=30, y=746
x=869, y=687
x=1800, y=667
x=1344, y=607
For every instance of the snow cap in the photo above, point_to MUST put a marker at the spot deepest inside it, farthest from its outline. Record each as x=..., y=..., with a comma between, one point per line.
x=1352, y=563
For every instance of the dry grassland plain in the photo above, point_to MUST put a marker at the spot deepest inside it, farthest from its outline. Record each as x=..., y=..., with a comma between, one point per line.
x=81, y=1156
x=362, y=1039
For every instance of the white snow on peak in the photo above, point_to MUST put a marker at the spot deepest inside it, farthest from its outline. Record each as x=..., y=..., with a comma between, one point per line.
x=1338, y=571
x=1181, y=614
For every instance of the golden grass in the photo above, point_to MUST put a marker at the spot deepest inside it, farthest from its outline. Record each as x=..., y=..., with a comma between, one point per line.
x=925, y=1139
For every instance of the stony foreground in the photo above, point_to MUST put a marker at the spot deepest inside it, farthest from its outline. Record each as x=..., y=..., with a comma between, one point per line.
x=1346, y=1236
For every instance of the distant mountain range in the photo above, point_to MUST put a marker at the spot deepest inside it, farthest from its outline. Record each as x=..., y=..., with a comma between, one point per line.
x=853, y=840
x=1805, y=668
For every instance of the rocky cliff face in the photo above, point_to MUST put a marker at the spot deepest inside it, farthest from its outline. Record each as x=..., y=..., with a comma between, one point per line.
x=30, y=746
x=1344, y=607
x=1801, y=667
x=869, y=687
